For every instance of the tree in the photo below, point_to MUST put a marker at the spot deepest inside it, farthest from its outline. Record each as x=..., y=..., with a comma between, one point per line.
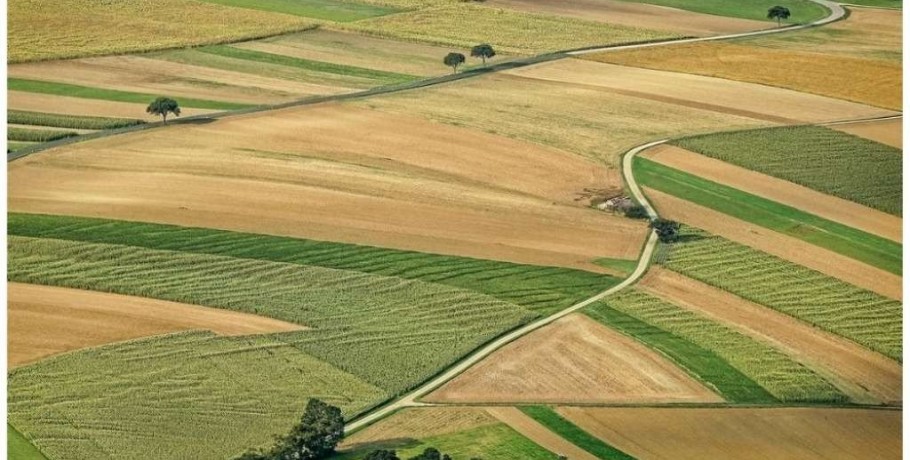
x=431, y=453
x=382, y=454
x=778, y=12
x=320, y=429
x=162, y=106
x=454, y=60
x=667, y=230
x=483, y=51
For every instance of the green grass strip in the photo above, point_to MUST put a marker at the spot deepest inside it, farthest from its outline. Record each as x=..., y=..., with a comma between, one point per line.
x=801, y=11
x=86, y=92
x=541, y=289
x=19, y=448
x=307, y=64
x=37, y=135
x=21, y=117
x=702, y=363
x=12, y=146
x=331, y=10
x=857, y=244
x=572, y=433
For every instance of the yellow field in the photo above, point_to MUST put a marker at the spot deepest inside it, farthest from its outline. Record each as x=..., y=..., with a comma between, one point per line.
x=53, y=29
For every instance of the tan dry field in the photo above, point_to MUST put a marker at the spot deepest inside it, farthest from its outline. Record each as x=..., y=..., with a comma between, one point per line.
x=587, y=120
x=867, y=81
x=637, y=15
x=760, y=102
x=420, y=422
x=541, y=435
x=823, y=205
x=300, y=172
x=50, y=128
x=45, y=321
x=145, y=75
x=744, y=433
x=357, y=50
x=574, y=360
x=890, y=132
x=866, y=376
x=775, y=243
x=49, y=103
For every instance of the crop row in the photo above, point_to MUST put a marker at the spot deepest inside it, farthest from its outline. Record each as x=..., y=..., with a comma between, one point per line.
x=21, y=117
x=37, y=135
x=863, y=316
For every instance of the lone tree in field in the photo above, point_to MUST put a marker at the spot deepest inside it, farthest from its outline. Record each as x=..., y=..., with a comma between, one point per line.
x=454, y=60
x=778, y=12
x=484, y=52
x=320, y=429
x=162, y=106
x=667, y=230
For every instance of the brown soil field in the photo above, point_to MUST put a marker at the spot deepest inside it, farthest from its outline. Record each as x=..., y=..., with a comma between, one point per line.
x=420, y=422
x=823, y=205
x=144, y=75
x=538, y=433
x=864, y=375
x=587, y=120
x=744, y=433
x=46, y=320
x=890, y=132
x=18, y=100
x=357, y=50
x=574, y=360
x=785, y=247
x=637, y=15
x=867, y=81
x=735, y=98
x=300, y=172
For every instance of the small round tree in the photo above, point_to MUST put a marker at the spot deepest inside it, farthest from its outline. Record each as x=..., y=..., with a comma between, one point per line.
x=667, y=230
x=778, y=12
x=162, y=106
x=483, y=51
x=454, y=60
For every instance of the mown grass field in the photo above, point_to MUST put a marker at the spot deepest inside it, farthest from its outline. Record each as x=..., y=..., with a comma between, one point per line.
x=18, y=448
x=572, y=433
x=829, y=161
x=862, y=316
x=190, y=395
x=785, y=379
x=41, y=30
x=21, y=117
x=801, y=11
x=331, y=10
x=865, y=247
x=543, y=290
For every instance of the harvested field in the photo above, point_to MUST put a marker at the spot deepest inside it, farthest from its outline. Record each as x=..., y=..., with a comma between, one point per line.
x=41, y=30
x=45, y=320
x=637, y=15
x=744, y=433
x=734, y=98
x=49, y=103
x=574, y=360
x=780, y=245
x=867, y=81
x=865, y=376
x=586, y=120
x=144, y=75
x=420, y=422
x=888, y=132
x=781, y=191
x=430, y=188
x=330, y=10
x=538, y=433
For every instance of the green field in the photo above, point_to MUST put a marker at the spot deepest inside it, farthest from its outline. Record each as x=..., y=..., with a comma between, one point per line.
x=18, y=448
x=330, y=10
x=865, y=247
x=822, y=159
x=703, y=364
x=785, y=379
x=85, y=92
x=37, y=135
x=897, y=4
x=543, y=290
x=622, y=266
x=801, y=11
x=188, y=395
x=862, y=316
x=54, y=120
x=572, y=433
x=13, y=146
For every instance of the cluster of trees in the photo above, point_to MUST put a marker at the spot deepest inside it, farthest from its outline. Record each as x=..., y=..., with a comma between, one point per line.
x=667, y=230
x=428, y=454
x=483, y=51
